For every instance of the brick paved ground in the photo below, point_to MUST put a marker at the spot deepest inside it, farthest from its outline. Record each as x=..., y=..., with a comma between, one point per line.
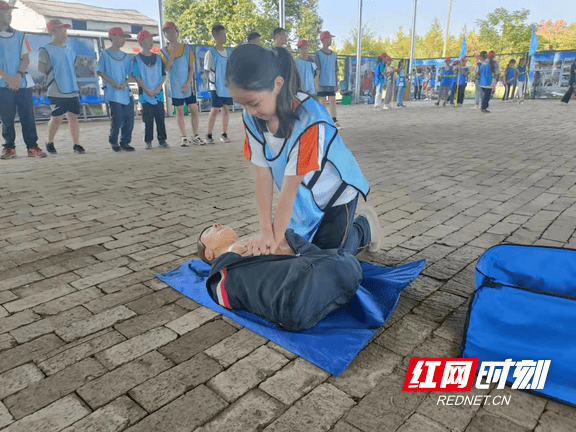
x=91, y=341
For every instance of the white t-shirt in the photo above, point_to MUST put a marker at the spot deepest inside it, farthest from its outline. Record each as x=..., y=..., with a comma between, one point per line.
x=209, y=66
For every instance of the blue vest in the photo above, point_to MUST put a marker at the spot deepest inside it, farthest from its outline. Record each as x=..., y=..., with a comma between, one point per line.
x=220, y=71
x=417, y=80
x=307, y=214
x=327, y=68
x=178, y=74
x=485, y=75
x=62, y=60
x=446, y=80
x=116, y=65
x=509, y=75
x=378, y=69
x=520, y=70
x=151, y=76
x=306, y=69
x=461, y=77
x=401, y=82
x=10, y=56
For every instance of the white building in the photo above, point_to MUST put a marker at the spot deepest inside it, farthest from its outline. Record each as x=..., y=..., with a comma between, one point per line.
x=33, y=15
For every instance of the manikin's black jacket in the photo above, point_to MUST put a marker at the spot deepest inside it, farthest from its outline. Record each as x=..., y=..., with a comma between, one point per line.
x=293, y=292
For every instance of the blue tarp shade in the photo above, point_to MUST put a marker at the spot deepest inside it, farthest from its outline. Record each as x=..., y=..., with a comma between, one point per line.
x=524, y=308
x=334, y=342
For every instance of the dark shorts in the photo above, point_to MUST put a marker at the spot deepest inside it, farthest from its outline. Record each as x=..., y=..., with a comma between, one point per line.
x=219, y=102
x=190, y=100
x=61, y=106
x=324, y=94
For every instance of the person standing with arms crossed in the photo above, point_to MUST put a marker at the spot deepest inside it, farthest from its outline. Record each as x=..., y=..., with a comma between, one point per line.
x=327, y=62
x=15, y=87
x=215, y=62
x=178, y=60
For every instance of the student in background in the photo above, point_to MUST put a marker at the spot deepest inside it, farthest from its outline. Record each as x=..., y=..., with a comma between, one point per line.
x=307, y=68
x=56, y=60
x=279, y=36
x=520, y=74
x=15, y=87
x=115, y=67
x=215, y=62
x=509, y=78
x=389, y=77
x=327, y=62
x=150, y=76
x=254, y=38
x=571, y=83
x=379, y=80
x=178, y=60
x=446, y=73
x=462, y=80
x=400, y=84
x=417, y=83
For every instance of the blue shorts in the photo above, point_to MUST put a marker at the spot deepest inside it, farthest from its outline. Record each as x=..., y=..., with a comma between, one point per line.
x=219, y=102
x=190, y=100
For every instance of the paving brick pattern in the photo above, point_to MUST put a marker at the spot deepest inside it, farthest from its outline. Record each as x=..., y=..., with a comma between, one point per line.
x=90, y=340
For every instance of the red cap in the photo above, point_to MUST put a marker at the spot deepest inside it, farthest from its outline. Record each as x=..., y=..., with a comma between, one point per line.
x=143, y=35
x=492, y=54
x=170, y=24
x=325, y=34
x=302, y=42
x=118, y=31
x=447, y=59
x=383, y=55
x=56, y=23
x=463, y=59
x=6, y=6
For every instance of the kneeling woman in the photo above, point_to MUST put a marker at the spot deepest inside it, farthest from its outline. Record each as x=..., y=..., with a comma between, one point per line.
x=293, y=142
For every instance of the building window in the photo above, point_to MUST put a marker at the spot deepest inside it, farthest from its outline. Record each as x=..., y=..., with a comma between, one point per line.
x=136, y=29
x=79, y=25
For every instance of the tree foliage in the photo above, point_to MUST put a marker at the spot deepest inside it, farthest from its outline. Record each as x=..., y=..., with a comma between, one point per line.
x=556, y=35
x=195, y=19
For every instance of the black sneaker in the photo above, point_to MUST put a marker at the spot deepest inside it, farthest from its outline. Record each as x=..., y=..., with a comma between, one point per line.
x=116, y=147
x=127, y=147
x=224, y=137
x=78, y=149
x=50, y=148
x=163, y=144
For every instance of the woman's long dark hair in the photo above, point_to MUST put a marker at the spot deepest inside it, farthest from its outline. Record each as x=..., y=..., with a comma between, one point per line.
x=253, y=68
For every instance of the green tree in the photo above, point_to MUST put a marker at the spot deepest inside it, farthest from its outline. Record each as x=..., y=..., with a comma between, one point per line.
x=433, y=40
x=505, y=31
x=195, y=19
x=371, y=47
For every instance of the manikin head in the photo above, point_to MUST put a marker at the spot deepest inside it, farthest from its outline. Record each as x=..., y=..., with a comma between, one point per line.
x=279, y=35
x=219, y=34
x=118, y=37
x=171, y=32
x=215, y=240
x=57, y=30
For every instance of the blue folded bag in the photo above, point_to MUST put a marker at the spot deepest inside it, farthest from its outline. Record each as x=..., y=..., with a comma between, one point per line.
x=332, y=343
x=524, y=308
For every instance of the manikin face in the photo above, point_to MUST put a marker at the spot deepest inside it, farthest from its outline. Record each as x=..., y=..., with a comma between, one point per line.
x=216, y=238
x=171, y=35
x=5, y=18
x=326, y=42
x=261, y=104
x=303, y=51
x=59, y=35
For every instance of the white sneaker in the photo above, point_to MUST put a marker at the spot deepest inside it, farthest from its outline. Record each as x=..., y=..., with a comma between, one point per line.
x=375, y=237
x=385, y=107
x=196, y=140
x=184, y=142
x=224, y=137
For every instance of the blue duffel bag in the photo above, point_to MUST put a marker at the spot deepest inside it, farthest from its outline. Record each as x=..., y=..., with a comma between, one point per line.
x=524, y=308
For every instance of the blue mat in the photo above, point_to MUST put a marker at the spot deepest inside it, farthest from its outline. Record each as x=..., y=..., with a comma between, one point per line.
x=334, y=342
